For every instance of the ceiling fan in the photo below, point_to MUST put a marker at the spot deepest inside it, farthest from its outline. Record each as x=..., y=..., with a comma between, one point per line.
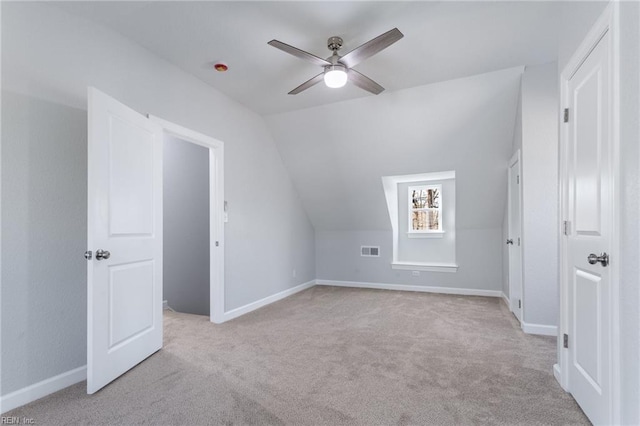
x=338, y=69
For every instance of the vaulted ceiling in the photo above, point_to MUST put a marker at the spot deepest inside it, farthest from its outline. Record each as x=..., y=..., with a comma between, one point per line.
x=452, y=86
x=443, y=41
x=337, y=154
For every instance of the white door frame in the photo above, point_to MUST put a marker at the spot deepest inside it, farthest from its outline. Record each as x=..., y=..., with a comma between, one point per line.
x=515, y=159
x=216, y=211
x=608, y=21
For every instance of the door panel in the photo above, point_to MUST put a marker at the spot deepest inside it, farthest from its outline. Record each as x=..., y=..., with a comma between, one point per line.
x=131, y=178
x=125, y=218
x=588, y=98
x=590, y=209
x=130, y=301
x=588, y=288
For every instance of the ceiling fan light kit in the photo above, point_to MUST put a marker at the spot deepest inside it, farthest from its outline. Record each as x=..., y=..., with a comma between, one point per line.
x=335, y=76
x=339, y=69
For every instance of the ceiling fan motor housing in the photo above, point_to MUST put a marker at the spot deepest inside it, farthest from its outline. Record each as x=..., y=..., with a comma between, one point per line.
x=337, y=69
x=334, y=43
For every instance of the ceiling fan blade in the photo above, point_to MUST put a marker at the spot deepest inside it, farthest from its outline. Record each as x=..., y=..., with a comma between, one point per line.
x=298, y=53
x=364, y=82
x=371, y=47
x=311, y=82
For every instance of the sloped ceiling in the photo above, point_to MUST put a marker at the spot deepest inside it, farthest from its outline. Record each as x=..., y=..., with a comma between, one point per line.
x=337, y=153
x=450, y=102
x=443, y=40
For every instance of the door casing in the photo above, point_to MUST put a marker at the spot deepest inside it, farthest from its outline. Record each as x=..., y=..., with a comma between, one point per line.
x=608, y=21
x=216, y=209
x=513, y=284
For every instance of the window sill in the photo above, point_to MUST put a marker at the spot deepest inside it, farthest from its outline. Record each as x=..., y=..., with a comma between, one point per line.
x=428, y=267
x=432, y=234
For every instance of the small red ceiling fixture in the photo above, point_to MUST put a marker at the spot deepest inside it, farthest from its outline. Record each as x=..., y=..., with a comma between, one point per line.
x=220, y=67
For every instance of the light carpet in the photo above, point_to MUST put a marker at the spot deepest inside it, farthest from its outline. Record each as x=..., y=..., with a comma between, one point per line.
x=335, y=356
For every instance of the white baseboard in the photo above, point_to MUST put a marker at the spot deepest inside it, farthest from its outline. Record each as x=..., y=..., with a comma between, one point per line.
x=506, y=300
x=557, y=374
x=41, y=389
x=235, y=313
x=543, y=330
x=405, y=287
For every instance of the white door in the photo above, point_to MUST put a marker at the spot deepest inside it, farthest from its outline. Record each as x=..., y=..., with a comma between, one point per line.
x=589, y=231
x=125, y=237
x=514, y=240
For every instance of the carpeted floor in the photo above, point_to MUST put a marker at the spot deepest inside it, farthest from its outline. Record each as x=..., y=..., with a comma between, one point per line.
x=335, y=356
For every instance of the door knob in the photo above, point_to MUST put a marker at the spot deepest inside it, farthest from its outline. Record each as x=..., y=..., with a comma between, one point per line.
x=102, y=254
x=510, y=241
x=603, y=259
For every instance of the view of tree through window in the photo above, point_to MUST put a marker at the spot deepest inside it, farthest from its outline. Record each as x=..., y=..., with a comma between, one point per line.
x=424, y=208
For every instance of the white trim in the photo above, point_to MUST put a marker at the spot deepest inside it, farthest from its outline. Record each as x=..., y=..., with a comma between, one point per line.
x=428, y=267
x=558, y=375
x=543, y=330
x=505, y=299
x=425, y=234
x=418, y=288
x=450, y=174
x=235, y=313
x=608, y=21
x=41, y=389
x=216, y=210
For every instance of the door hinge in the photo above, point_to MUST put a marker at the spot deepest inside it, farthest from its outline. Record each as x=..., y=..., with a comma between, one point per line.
x=566, y=227
x=565, y=341
x=518, y=241
x=566, y=115
x=518, y=179
x=217, y=243
x=519, y=303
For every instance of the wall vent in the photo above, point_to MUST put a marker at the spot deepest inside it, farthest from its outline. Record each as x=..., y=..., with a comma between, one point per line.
x=370, y=251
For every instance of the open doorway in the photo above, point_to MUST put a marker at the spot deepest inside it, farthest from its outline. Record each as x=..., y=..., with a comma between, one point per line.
x=186, y=239
x=193, y=222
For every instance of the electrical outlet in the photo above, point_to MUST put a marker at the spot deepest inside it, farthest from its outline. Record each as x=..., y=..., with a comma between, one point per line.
x=415, y=273
x=293, y=274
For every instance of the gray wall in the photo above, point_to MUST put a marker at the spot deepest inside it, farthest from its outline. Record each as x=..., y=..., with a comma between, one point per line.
x=44, y=234
x=185, y=189
x=478, y=258
x=540, y=194
x=338, y=168
x=79, y=53
x=536, y=136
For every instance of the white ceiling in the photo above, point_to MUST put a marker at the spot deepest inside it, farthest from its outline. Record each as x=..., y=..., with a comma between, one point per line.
x=443, y=41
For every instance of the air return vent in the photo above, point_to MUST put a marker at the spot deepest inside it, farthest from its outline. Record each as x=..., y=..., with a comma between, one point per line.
x=370, y=251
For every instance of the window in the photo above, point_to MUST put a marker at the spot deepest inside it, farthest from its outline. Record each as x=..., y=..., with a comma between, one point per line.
x=425, y=209
x=423, y=223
